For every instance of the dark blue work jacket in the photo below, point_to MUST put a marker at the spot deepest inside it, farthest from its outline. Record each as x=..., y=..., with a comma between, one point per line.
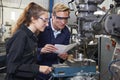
x=47, y=37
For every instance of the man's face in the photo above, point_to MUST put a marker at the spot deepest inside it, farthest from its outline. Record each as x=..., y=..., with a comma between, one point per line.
x=60, y=19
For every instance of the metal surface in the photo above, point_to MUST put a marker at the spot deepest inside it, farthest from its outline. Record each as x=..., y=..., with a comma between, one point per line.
x=86, y=67
x=2, y=58
x=105, y=50
x=112, y=24
x=114, y=66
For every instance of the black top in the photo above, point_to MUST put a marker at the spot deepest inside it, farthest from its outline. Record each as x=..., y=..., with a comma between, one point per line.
x=21, y=55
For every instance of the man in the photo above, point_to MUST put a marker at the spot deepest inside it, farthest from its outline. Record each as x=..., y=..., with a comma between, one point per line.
x=56, y=33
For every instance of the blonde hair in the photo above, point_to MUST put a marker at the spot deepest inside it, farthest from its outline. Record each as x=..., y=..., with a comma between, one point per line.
x=32, y=10
x=60, y=7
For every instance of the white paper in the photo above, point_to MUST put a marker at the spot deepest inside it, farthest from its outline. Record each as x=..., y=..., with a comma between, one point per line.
x=64, y=48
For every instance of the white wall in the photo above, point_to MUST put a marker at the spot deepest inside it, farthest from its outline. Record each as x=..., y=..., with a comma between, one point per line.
x=11, y=15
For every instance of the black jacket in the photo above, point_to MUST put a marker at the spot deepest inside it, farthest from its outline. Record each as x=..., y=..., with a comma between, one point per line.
x=21, y=55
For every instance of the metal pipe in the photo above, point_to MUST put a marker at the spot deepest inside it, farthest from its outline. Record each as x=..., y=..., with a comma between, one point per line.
x=2, y=11
x=10, y=7
x=51, y=3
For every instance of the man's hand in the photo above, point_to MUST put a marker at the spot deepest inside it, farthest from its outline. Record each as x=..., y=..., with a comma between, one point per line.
x=63, y=56
x=48, y=48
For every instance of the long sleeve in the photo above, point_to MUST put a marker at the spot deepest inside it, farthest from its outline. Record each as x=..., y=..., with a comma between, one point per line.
x=20, y=57
x=67, y=38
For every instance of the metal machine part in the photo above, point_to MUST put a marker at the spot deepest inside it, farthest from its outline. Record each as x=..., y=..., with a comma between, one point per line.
x=86, y=7
x=105, y=52
x=112, y=24
x=87, y=23
x=114, y=66
x=2, y=58
x=82, y=68
x=83, y=78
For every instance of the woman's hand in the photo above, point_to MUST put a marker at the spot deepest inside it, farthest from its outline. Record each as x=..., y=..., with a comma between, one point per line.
x=45, y=69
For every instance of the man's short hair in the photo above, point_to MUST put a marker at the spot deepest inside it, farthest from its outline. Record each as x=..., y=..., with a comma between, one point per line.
x=60, y=7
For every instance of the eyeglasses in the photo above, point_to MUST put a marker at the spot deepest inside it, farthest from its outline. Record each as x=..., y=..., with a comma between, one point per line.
x=61, y=18
x=44, y=19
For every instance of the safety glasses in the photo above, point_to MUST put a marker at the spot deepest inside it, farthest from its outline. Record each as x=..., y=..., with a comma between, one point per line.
x=44, y=19
x=61, y=18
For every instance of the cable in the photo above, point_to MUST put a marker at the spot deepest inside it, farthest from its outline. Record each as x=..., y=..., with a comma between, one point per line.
x=109, y=66
x=20, y=3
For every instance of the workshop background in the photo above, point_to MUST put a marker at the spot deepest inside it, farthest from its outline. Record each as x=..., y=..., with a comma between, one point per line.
x=100, y=48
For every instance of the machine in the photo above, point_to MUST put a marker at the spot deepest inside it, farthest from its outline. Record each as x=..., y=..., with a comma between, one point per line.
x=88, y=25
x=77, y=68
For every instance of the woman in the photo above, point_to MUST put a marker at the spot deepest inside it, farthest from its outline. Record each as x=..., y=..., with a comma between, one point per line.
x=21, y=48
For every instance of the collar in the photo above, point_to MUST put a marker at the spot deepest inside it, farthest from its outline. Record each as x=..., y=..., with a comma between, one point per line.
x=51, y=25
x=56, y=31
x=28, y=32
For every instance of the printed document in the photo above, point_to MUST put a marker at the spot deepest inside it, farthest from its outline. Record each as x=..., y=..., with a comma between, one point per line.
x=64, y=48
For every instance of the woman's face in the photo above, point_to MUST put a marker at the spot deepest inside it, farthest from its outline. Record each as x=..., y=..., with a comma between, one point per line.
x=42, y=22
